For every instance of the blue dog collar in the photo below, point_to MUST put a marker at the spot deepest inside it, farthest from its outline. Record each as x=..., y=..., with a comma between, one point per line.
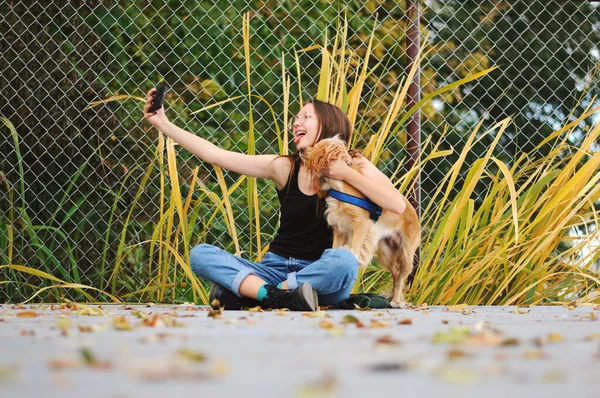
x=365, y=203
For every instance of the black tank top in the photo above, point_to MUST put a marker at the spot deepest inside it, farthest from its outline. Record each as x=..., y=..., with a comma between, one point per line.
x=303, y=231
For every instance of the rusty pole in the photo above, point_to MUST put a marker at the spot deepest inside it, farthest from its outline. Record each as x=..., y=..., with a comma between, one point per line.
x=413, y=129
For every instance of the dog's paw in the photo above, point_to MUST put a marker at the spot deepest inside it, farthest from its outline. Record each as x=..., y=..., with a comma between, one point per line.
x=400, y=304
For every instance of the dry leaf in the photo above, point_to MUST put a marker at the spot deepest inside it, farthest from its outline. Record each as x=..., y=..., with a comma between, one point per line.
x=63, y=363
x=27, y=333
x=444, y=321
x=593, y=336
x=456, y=308
x=459, y=376
x=388, y=367
x=555, y=337
x=324, y=387
x=354, y=320
x=64, y=324
x=285, y=312
x=89, y=359
x=379, y=324
x=215, y=310
x=315, y=314
x=92, y=328
x=455, y=335
x=258, y=308
x=553, y=376
x=517, y=310
x=121, y=323
x=157, y=321
x=27, y=314
x=423, y=306
x=405, y=321
x=456, y=354
x=534, y=354
x=388, y=339
x=191, y=355
x=91, y=311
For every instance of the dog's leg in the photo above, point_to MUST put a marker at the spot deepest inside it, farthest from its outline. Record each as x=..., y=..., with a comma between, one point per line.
x=393, y=255
x=362, y=243
x=339, y=238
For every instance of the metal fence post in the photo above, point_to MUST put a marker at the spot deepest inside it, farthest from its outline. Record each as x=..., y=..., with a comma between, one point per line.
x=414, y=95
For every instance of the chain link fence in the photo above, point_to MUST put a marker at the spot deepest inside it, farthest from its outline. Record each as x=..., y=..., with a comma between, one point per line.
x=78, y=195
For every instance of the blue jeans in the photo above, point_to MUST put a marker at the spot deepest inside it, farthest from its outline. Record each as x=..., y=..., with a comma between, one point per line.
x=332, y=276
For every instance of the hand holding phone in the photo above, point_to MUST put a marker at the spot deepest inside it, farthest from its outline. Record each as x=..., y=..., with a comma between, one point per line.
x=159, y=99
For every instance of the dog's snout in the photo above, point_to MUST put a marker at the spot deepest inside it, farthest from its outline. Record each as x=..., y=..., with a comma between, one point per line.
x=302, y=150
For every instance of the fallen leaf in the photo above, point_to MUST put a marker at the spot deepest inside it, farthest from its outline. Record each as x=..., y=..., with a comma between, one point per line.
x=91, y=311
x=405, y=321
x=534, y=354
x=456, y=354
x=510, y=341
x=191, y=355
x=388, y=340
x=459, y=376
x=379, y=324
x=517, y=310
x=63, y=363
x=157, y=321
x=388, y=367
x=121, y=323
x=258, y=308
x=593, y=336
x=285, y=312
x=92, y=328
x=553, y=376
x=456, y=308
x=444, y=321
x=27, y=333
x=454, y=335
x=315, y=314
x=323, y=387
x=140, y=314
x=64, y=324
x=354, y=320
x=215, y=310
x=423, y=306
x=90, y=359
x=27, y=314
x=555, y=337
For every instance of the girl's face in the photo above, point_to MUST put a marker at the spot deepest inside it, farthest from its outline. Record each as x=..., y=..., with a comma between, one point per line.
x=306, y=127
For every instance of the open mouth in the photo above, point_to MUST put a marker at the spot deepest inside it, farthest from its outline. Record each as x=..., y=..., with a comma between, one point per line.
x=299, y=135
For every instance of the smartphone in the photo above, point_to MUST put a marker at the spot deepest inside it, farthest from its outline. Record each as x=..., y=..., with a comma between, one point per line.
x=159, y=99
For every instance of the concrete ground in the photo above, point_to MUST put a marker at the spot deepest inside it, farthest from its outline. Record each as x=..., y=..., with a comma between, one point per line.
x=171, y=351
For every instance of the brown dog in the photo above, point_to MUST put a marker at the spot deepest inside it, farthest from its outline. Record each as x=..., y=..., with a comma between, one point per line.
x=396, y=237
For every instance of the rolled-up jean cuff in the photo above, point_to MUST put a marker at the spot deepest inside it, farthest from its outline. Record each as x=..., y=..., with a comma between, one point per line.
x=237, y=281
x=292, y=282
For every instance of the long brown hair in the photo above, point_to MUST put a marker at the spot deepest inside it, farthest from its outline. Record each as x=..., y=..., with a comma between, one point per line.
x=332, y=121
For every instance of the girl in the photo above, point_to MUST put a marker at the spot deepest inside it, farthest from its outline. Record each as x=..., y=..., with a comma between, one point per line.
x=300, y=270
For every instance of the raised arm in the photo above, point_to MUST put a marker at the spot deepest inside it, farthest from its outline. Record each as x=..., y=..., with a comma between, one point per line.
x=261, y=166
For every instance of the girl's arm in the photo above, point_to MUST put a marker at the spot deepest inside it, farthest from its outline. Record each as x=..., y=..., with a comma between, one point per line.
x=370, y=181
x=261, y=166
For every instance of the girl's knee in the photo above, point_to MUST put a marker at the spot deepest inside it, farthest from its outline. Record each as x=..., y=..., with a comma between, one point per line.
x=198, y=256
x=343, y=260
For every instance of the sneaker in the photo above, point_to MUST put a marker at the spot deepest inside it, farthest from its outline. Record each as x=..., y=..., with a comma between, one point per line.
x=229, y=300
x=303, y=298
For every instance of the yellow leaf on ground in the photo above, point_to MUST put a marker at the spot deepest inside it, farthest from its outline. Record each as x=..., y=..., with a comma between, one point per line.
x=27, y=314
x=456, y=308
x=315, y=314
